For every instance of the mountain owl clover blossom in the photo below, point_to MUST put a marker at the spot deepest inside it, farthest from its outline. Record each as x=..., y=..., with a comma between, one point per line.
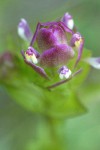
x=58, y=43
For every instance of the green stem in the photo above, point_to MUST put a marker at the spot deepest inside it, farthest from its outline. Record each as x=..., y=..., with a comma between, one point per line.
x=57, y=132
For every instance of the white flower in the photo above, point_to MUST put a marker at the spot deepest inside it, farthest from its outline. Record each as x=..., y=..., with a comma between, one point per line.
x=93, y=61
x=64, y=72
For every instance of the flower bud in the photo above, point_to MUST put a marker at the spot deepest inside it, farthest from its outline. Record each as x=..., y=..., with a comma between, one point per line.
x=76, y=39
x=68, y=20
x=64, y=72
x=24, y=30
x=31, y=55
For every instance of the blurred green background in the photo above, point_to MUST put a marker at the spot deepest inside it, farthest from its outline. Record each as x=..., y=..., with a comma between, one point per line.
x=18, y=126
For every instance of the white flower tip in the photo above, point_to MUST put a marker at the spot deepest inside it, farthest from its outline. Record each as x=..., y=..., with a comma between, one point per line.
x=68, y=20
x=34, y=59
x=24, y=30
x=93, y=61
x=21, y=33
x=70, y=24
x=31, y=58
x=64, y=72
x=23, y=21
x=61, y=76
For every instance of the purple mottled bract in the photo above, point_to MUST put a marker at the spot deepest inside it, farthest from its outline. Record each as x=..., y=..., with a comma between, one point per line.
x=50, y=37
x=58, y=55
x=52, y=41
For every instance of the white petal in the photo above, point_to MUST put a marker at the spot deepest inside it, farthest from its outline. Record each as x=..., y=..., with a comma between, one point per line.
x=24, y=21
x=24, y=30
x=21, y=33
x=61, y=76
x=70, y=72
x=67, y=75
x=93, y=61
x=34, y=59
x=70, y=24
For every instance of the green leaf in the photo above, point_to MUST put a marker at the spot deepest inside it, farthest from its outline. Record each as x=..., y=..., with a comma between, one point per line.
x=27, y=95
x=63, y=103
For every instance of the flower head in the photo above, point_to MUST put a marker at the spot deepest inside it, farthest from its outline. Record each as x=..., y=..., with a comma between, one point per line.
x=58, y=44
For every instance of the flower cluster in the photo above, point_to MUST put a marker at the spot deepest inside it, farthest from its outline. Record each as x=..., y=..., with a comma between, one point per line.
x=58, y=43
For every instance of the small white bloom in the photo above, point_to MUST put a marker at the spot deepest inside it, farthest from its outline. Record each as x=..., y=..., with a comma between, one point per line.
x=21, y=33
x=31, y=58
x=70, y=24
x=68, y=20
x=93, y=61
x=24, y=30
x=64, y=72
x=30, y=55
